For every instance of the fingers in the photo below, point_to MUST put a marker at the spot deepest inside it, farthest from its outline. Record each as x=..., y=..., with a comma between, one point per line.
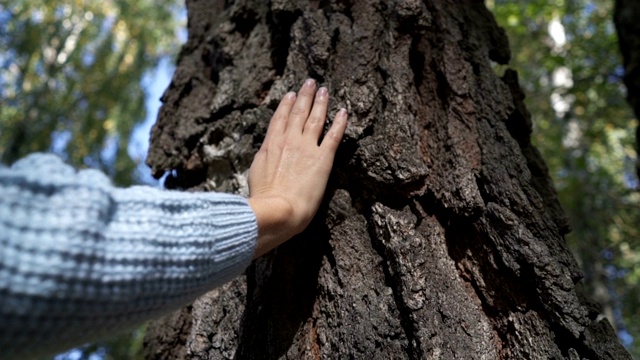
x=278, y=122
x=295, y=114
x=302, y=107
x=334, y=135
x=315, y=123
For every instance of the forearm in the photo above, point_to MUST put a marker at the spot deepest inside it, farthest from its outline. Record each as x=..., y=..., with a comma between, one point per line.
x=273, y=217
x=210, y=237
x=80, y=259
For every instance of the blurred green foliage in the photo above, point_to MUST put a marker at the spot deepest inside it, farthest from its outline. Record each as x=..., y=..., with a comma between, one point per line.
x=70, y=82
x=70, y=75
x=567, y=56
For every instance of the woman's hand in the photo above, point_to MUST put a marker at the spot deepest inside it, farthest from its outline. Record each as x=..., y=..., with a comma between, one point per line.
x=290, y=171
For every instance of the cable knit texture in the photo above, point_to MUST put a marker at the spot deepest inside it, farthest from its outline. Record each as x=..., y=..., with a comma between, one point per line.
x=81, y=259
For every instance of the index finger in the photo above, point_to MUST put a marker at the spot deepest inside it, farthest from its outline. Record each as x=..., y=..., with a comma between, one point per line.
x=278, y=122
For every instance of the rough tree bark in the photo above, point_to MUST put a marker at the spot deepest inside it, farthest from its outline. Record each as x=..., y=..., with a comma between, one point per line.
x=626, y=17
x=441, y=235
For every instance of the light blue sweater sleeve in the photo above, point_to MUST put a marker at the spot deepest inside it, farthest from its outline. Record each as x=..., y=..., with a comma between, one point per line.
x=81, y=259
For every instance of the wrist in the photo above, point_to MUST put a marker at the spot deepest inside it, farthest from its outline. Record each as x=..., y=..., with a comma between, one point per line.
x=275, y=225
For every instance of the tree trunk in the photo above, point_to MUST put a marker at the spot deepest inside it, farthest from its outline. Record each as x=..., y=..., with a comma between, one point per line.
x=626, y=19
x=441, y=235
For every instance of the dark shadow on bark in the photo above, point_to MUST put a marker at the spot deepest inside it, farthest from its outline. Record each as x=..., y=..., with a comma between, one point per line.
x=185, y=179
x=500, y=291
x=281, y=292
x=281, y=22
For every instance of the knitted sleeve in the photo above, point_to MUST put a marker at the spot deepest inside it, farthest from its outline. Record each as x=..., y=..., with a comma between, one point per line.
x=80, y=259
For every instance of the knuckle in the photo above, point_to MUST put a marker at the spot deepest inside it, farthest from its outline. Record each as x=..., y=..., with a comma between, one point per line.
x=279, y=118
x=281, y=146
x=313, y=121
x=298, y=111
x=333, y=138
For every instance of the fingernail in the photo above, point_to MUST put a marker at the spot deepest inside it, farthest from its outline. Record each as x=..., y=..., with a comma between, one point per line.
x=290, y=95
x=323, y=92
x=310, y=83
x=342, y=113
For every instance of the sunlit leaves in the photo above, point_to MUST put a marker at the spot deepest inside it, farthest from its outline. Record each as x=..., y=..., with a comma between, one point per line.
x=70, y=76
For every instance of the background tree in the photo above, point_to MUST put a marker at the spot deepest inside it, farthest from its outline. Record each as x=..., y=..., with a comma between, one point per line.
x=70, y=76
x=441, y=237
x=627, y=14
x=566, y=53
